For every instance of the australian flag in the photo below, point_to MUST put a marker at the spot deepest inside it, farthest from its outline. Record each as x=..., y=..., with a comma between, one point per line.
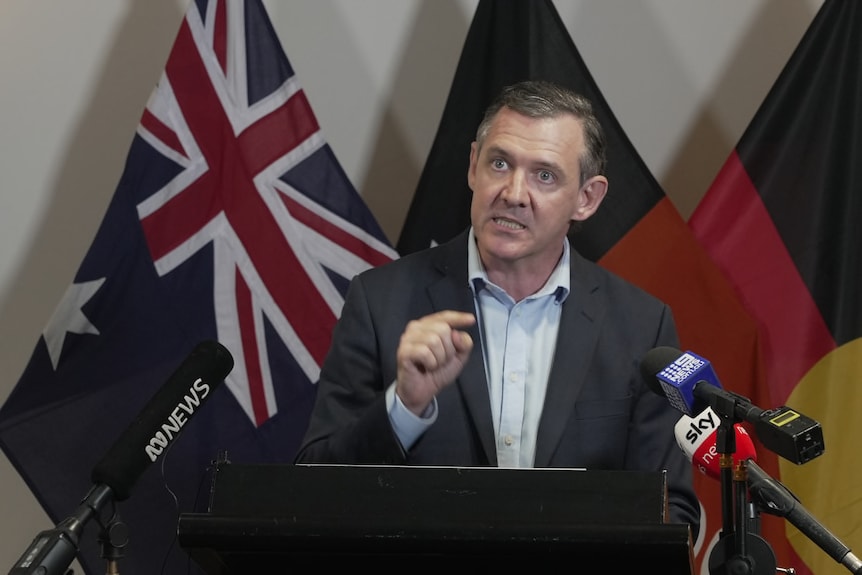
x=233, y=221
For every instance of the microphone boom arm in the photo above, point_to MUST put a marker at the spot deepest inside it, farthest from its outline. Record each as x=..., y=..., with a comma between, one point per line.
x=774, y=498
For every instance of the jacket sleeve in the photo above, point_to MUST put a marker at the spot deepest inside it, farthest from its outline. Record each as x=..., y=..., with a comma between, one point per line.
x=349, y=423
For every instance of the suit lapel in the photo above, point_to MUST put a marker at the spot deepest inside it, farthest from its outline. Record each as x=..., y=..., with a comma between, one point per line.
x=581, y=319
x=452, y=291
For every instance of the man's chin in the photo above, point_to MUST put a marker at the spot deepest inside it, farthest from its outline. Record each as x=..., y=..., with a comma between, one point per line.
x=506, y=249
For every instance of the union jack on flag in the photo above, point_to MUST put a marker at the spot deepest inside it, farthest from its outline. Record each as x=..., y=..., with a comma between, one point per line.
x=232, y=221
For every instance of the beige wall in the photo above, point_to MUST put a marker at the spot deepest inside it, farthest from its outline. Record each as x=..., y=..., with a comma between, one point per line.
x=684, y=78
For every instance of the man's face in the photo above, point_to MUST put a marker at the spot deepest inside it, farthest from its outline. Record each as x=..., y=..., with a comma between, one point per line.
x=525, y=182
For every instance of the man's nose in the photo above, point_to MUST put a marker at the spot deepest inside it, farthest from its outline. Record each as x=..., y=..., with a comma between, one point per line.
x=515, y=191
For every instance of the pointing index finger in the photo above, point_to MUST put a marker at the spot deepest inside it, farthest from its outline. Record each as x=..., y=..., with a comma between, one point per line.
x=456, y=319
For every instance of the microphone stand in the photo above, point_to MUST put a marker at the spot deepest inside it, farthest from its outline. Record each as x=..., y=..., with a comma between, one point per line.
x=53, y=550
x=113, y=537
x=738, y=551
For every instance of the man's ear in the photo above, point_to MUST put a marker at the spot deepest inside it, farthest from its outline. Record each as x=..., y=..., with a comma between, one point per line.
x=590, y=196
x=471, y=170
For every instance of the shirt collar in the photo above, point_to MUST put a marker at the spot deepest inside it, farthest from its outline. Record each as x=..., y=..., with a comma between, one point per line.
x=558, y=283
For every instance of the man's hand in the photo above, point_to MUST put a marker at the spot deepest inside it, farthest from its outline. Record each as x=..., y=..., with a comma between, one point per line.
x=431, y=354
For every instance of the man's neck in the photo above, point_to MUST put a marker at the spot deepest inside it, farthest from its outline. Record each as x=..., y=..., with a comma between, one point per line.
x=521, y=278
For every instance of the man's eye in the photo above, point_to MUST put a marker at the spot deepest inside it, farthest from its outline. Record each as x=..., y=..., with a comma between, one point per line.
x=546, y=176
x=499, y=164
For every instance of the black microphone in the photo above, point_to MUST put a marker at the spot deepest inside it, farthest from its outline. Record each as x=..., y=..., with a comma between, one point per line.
x=155, y=428
x=775, y=499
x=163, y=417
x=694, y=386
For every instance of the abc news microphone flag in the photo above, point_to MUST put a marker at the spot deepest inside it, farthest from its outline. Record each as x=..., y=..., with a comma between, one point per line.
x=637, y=232
x=232, y=221
x=782, y=221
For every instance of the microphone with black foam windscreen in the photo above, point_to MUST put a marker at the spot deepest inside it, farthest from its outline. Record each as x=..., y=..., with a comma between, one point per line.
x=163, y=418
x=691, y=385
x=141, y=444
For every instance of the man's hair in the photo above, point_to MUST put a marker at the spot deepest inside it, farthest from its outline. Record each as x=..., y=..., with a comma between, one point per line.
x=541, y=99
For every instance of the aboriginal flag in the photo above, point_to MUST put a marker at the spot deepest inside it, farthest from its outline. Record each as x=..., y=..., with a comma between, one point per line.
x=780, y=220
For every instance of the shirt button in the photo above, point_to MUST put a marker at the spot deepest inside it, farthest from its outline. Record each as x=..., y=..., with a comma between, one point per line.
x=508, y=440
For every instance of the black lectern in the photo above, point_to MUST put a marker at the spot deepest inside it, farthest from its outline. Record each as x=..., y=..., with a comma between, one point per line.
x=270, y=518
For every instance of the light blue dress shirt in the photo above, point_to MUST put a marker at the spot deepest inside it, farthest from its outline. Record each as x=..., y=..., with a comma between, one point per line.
x=518, y=340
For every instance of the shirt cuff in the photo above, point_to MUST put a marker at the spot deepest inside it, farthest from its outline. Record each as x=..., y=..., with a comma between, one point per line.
x=408, y=426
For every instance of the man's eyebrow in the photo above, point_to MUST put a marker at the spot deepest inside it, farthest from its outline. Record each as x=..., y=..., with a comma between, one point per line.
x=495, y=150
x=552, y=166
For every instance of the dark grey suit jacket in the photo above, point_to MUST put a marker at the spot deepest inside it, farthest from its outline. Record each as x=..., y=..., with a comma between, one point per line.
x=598, y=412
